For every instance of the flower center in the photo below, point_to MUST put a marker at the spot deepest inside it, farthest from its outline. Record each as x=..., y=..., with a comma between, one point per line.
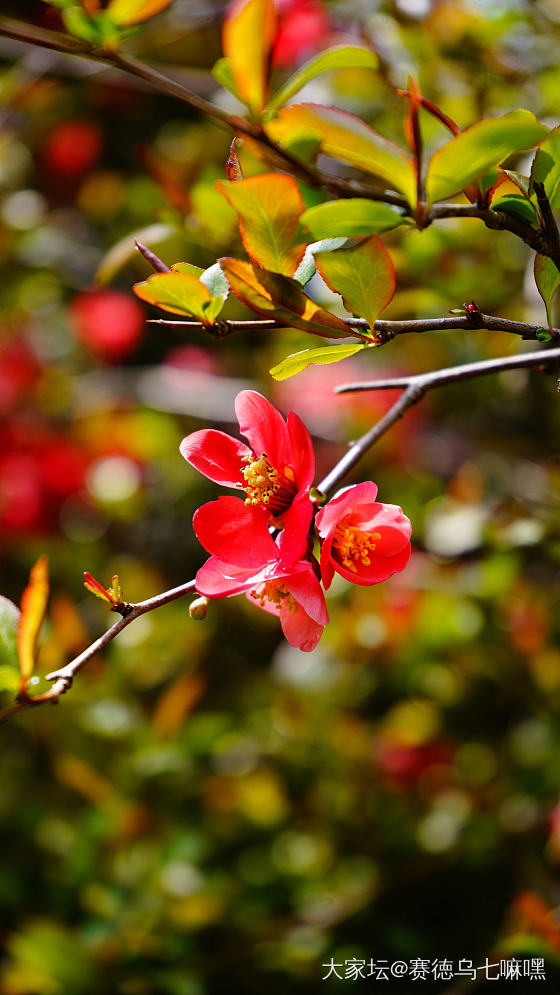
x=354, y=546
x=274, y=592
x=264, y=484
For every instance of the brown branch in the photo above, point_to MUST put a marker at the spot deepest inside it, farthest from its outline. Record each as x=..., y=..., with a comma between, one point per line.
x=385, y=329
x=64, y=677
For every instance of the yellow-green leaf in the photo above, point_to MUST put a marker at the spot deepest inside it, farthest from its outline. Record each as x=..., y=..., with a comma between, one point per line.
x=247, y=39
x=355, y=216
x=280, y=298
x=547, y=279
x=180, y=293
x=345, y=136
x=468, y=155
x=124, y=13
x=322, y=356
x=363, y=275
x=546, y=168
x=33, y=609
x=340, y=57
x=268, y=207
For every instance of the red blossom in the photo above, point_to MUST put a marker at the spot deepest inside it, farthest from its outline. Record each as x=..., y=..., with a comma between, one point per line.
x=292, y=593
x=275, y=473
x=302, y=28
x=363, y=540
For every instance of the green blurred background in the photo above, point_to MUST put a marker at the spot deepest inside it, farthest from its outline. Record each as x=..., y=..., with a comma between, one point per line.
x=210, y=810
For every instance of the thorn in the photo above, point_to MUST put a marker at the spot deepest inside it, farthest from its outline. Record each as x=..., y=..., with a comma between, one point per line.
x=154, y=261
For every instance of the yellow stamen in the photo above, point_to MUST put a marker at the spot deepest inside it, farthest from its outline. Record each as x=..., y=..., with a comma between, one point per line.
x=267, y=485
x=353, y=546
x=273, y=591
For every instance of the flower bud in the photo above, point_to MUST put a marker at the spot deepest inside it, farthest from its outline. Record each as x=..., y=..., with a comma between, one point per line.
x=198, y=608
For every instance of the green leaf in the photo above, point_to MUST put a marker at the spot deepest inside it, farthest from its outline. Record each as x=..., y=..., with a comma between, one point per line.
x=546, y=168
x=9, y=620
x=355, y=216
x=269, y=207
x=363, y=275
x=547, y=279
x=124, y=250
x=188, y=268
x=345, y=136
x=213, y=309
x=322, y=356
x=341, y=57
x=467, y=156
x=178, y=292
x=307, y=267
x=517, y=206
x=221, y=71
x=214, y=279
x=127, y=12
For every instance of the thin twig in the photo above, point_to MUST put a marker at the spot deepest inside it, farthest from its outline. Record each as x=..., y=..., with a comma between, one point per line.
x=63, y=678
x=386, y=330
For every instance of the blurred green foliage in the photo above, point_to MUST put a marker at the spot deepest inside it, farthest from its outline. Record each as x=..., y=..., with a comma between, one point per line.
x=210, y=809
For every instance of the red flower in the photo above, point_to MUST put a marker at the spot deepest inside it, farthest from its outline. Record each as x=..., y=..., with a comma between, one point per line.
x=363, y=540
x=302, y=28
x=292, y=593
x=275, y=473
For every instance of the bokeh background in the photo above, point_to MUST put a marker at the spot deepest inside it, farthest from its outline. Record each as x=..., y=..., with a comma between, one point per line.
x=209, y=809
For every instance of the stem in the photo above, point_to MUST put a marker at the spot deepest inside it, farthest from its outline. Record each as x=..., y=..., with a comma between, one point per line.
x=387, y=330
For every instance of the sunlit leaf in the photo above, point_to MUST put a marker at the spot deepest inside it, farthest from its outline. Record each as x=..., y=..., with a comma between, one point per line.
x=307, y=266
x=485, y=144
x=247, y=39
x=546, y=168
x=281, y=298
x=341, y=57
x=355, y=216
x=188, y=268
x=124, y=250
x=127, y=12
x=213, y=278
x=322, y=356
x=33, y=609
x=9, y=620
x=268, y=208
x=345, y=136
x=180, y=293
x=363, y=275
x=547, y=279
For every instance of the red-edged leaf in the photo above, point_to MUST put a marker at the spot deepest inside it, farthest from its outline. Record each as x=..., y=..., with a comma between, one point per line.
x=281, y=298
x=33, y=609
x=268, y=208
x=345, y=136
x=247, y=40
x=94, y=587
x=363, y=275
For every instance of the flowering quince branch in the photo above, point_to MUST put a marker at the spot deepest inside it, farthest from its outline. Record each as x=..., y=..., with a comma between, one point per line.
x=386, y=330
x=544, y=241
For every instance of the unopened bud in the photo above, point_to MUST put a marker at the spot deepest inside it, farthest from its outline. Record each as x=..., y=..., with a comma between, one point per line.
x=316, y=496
x=198, y=608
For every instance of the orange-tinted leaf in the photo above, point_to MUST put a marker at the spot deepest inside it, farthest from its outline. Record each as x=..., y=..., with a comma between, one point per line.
x=33, y=608
x=247, y=39
x=269, y=208
x=345, y=136
x=180, y=293
x=363, y=275
x=281, y=298
x=123, y=13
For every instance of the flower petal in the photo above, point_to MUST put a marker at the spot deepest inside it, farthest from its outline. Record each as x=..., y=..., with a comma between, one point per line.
x=216, y=455
x=344, y=504
x=216, y=579
x=263, y=426
x=235, y=533
x=303, y=456
x=380, y=568
x=300, y=630
x=306, y=590
x=296, y=520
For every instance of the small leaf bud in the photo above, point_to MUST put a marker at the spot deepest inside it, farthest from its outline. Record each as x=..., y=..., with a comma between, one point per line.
x=198, y=608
